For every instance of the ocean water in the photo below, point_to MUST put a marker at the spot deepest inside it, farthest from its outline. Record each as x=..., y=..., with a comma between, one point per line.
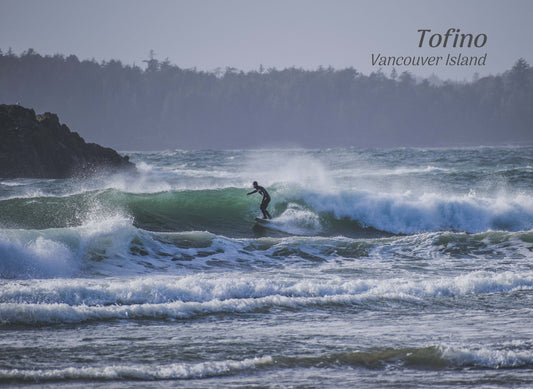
x=382, y=268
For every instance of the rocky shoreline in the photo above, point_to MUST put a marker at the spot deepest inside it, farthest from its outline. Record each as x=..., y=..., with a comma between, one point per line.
x=39, y=146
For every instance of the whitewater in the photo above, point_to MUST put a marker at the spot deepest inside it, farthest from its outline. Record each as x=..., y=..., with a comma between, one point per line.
x=382, y=268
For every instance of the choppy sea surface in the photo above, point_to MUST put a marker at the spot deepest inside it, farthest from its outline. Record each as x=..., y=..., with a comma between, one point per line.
x=382, y=268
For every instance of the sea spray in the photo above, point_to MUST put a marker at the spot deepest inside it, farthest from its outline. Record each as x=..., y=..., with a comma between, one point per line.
x=403, y=267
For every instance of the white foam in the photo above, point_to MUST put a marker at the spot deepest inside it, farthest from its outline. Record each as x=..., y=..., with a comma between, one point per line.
x=298, y=221
x=13, y=182
x=370, y=171
x=147, y=181
x=138, y=372
x=61, y=252
x=40, y=257
x=487, y=357
x=412, y=213
x=166, y=297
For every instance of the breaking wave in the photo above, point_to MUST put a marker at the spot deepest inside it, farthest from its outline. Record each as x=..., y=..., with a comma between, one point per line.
x=167, y=297
x=230, y=212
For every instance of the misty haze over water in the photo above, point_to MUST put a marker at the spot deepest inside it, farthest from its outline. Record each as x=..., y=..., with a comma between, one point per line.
x=168, y=107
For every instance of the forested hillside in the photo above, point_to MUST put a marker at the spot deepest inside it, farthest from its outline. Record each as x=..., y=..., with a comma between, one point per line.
x=166, y=107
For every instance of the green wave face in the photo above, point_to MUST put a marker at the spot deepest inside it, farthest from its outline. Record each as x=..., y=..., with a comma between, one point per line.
x=221, y=211
x=213, y=210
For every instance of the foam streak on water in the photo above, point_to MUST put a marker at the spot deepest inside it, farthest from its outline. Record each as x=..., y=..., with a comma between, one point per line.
x=398, y=268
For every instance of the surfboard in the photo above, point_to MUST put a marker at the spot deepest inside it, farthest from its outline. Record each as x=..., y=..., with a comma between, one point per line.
x=267, y=223
x=271, y=225
x=262, y=221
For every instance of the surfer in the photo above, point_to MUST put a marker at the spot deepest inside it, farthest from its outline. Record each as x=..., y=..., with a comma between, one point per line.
x=266, y=199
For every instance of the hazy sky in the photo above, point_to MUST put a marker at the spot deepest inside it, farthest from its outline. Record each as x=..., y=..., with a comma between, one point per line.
x=247, y=33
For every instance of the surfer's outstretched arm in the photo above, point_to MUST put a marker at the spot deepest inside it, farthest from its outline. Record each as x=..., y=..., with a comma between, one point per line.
x=252, y=192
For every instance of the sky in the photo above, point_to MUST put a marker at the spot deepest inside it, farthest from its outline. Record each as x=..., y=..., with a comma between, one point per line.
x=244, y=34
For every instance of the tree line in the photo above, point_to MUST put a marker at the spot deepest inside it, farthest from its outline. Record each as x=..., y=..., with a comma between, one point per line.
x=164, y=106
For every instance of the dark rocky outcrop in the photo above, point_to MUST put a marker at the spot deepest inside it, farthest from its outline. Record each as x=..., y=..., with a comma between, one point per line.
x=38, y=146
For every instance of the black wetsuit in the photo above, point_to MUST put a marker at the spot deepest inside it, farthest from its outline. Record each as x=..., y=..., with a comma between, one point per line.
x=264, y=203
